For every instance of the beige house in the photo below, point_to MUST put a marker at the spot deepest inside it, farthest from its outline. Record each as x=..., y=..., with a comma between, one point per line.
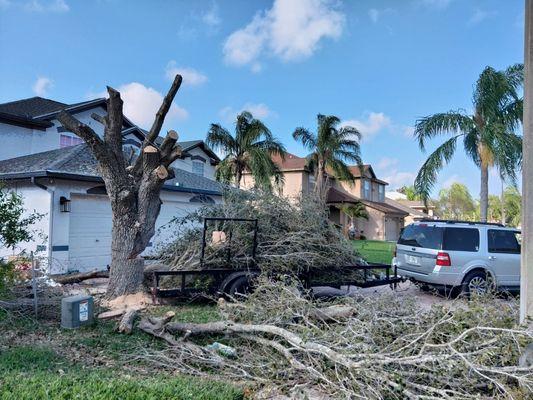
x=384, y=220
x=417, y=209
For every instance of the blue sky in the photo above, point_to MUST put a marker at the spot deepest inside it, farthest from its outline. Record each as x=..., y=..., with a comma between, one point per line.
x=378, y=65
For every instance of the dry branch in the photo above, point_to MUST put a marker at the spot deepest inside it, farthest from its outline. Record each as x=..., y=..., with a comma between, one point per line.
x=376, y=348
x=77, y=278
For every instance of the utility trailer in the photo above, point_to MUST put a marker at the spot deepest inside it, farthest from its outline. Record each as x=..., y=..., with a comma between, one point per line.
x=233, y=281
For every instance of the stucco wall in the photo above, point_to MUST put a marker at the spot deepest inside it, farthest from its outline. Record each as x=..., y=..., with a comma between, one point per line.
x=35, y=200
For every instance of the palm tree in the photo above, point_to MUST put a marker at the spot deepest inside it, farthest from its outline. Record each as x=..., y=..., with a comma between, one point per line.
x=354, y=211
x=488, y=135
x=331, y=147
x=251, y=149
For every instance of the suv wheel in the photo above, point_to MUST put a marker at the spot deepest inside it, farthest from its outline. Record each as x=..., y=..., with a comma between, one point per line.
x=478, y=283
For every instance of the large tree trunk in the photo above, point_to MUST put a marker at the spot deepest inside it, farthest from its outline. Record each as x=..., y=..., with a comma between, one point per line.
x=133, y=189
x=126, y=274
x=484, y=192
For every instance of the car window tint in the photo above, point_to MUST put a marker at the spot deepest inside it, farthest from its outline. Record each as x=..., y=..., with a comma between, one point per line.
x=461, y=239
x=501, y=241
x=429, y=237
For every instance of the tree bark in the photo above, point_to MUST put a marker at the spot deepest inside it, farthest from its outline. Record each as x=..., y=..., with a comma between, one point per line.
x=484, y=192
x=133, y=190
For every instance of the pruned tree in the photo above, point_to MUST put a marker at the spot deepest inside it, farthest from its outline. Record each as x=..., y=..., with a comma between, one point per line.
x=133, y=189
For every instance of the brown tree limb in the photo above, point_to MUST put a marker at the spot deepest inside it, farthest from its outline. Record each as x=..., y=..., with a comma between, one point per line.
x=162, y=112
x=168, y=143
x=126, y=323
x=76, y=278
x=156, y=327
x=113, y=126
x=83, y=131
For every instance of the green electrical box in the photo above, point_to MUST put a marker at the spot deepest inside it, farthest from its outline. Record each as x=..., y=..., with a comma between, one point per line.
x=76, y=311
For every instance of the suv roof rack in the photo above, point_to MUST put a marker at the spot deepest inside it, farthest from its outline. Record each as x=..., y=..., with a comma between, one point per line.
x=453, y=221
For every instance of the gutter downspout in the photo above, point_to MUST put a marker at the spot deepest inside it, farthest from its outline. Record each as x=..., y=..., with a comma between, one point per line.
x=51, y=219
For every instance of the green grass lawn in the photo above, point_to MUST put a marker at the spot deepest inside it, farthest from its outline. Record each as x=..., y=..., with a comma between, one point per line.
x=40, y=361
x=375, y=251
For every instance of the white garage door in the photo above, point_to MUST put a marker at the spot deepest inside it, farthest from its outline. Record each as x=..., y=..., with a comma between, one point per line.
x=89, y=233
x=90, y=230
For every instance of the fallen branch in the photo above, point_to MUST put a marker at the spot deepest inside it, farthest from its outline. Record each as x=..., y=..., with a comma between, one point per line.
x=77, y=278
x=126, y=323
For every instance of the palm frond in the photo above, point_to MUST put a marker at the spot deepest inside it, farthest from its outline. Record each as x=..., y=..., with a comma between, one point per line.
x=307, y=138
x=452, y=122
x=427, y=176
x=349, y=132
x=341, y=171
x=218, y=138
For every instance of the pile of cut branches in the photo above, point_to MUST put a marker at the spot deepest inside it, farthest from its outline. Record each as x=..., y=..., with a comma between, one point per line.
x=293, y=236
x=379, y=347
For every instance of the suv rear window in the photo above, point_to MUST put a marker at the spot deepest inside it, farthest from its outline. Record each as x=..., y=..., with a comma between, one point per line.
x=429, y=237
x=501, y=241
x=461, y=239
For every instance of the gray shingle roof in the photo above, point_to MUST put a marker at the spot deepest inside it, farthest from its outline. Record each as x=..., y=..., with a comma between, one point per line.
x=77, y=162
x=31, y=107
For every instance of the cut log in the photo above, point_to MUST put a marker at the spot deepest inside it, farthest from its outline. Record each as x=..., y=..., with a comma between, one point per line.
x=161, y=172
x=111, y=314
x=77, y=278
x=126, y=323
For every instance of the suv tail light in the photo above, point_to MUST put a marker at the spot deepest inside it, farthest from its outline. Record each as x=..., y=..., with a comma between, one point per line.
x=443, y=259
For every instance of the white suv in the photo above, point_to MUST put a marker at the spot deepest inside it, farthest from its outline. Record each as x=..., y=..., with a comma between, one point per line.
x=467, y=255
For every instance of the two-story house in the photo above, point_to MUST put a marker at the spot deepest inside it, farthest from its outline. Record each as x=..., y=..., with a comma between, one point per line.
x=58, y=177
x=384, y=220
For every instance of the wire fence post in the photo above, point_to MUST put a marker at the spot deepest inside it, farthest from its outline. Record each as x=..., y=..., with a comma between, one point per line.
x=34, y=285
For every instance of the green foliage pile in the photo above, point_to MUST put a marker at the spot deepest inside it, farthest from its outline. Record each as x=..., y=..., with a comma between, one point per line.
x=292, y=236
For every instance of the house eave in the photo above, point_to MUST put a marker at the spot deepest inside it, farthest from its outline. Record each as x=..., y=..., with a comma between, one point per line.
x=16, y=176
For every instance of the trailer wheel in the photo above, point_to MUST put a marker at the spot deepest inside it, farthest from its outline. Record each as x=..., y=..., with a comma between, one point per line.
x=240, y=288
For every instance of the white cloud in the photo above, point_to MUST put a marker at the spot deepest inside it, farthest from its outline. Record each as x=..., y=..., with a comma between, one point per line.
x=291, y=30
x=408, y=131
x=42, y=85
x=479, y=16
x=141, y=104
x=371, y=125
x=58, y=6
x=211, y=17
x=258, y=110
x=439, y=4
x=398, y=179
x=191, y=77
x=373, y=13
x=387, y=169
x=386, y=162
x=451, y=180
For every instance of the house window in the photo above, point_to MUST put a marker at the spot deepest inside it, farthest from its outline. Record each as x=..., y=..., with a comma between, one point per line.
x=198, y=168
x=68, y=140
x=366, y=189
x=381, y=193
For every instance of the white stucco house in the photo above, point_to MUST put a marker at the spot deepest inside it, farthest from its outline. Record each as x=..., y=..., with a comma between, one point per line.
x=57, y=176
